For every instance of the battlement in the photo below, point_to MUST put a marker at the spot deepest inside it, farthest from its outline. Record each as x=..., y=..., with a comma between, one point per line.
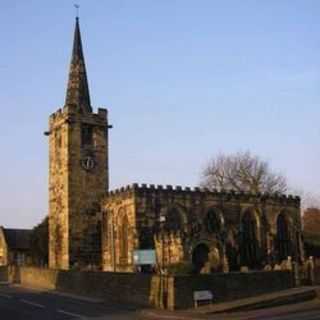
x=57, y=114
x=197, y=191
x=67, y=114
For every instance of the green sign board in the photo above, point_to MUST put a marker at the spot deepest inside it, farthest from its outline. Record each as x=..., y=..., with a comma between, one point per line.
x=144, y=257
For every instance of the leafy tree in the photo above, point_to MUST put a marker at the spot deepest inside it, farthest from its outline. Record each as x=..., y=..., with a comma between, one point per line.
x=242, y=171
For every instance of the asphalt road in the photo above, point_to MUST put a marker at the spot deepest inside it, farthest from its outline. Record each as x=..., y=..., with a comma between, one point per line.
x=17, y=303
x=26, y=304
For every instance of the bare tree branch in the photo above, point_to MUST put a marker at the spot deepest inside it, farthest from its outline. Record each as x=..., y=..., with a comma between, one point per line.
x=242, y=171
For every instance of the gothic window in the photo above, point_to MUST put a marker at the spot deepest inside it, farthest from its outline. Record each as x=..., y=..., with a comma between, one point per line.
x=146, y=239
x=213, y=222
x=124, y=233
x=249, y=240
x=173, y=220
x=283, y=237
x=200, y=256
x=86, y=135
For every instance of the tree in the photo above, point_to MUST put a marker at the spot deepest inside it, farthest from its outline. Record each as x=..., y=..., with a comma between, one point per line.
x=311, y=231
x=309, y=200
x=242, y=171
x=311, y=220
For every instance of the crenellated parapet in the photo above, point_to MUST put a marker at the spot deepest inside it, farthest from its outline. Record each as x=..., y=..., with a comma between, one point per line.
x=68, y=115
x=200, y=193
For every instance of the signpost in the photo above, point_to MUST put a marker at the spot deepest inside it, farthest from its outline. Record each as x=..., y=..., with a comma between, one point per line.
x=202, y=296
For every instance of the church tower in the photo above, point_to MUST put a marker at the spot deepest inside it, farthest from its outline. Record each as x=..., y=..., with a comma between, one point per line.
x=78, y=171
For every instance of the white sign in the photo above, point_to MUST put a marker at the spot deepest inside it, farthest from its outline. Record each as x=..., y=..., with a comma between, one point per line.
x=202, y=295
x=144, y=257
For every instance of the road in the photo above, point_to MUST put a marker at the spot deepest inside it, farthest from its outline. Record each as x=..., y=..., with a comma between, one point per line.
x=17, y=303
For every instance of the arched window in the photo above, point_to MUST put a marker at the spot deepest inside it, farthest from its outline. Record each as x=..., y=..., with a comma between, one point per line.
x=200, y=257
x=123, y=240
x=284, y=243
x=249, y=240
x=213, y=221
x=173, y=220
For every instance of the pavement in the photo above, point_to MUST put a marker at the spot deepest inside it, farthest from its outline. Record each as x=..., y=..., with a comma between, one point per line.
x=268, y=300
x=241, y=308
x=308, y=310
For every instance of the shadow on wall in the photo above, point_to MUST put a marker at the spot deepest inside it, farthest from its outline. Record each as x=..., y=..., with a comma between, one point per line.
x=317, y=275
x=118, y=288
x=230, y=286
x=4, y=277
x=145, y=290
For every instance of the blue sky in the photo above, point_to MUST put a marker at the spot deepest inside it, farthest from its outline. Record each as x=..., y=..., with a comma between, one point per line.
x=183, y=80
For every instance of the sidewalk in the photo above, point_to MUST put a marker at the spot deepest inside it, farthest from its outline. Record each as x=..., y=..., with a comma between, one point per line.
x=279, y=298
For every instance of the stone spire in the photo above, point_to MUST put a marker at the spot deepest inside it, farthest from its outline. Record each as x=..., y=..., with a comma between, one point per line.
x=78, y=95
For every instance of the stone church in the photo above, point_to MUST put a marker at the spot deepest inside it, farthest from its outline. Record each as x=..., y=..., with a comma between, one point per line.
x=191, y=227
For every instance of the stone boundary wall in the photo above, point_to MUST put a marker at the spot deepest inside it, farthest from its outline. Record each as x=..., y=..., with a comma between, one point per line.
x=317, y=275
x=38, y=277
x=145, y=290
x=4, y=274
x=229, y=286
x=119, y=288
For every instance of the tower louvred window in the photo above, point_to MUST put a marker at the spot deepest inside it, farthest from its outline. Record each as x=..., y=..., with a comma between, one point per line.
x=86, y=135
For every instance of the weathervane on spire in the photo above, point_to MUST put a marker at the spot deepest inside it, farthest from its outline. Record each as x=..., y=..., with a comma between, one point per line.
x=77, y=6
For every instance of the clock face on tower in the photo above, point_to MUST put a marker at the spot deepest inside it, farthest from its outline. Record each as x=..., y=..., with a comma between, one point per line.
x=88, y=163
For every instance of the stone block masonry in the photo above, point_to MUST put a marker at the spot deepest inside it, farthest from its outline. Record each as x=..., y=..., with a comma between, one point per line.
x=229, y=286
x=145, y=290
x=213, y=231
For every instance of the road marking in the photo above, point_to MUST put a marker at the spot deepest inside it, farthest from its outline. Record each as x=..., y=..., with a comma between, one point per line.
x=5, y=296
x=33, y=303
x=70, y=313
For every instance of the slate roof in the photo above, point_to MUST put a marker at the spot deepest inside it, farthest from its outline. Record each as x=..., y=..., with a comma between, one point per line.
x=17, y=238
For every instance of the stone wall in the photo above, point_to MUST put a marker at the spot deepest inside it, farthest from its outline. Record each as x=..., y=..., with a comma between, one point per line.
x=317, y=275
x=3, y=248
x=227, y=286
x=237, y=229
x=3, y=273
x=143, y=290
x=119, y=288
x=119, y=237
x=78, y=179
